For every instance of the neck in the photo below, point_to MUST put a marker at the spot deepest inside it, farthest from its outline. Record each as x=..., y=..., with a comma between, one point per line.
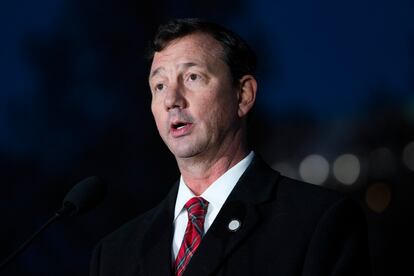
x=201, y=171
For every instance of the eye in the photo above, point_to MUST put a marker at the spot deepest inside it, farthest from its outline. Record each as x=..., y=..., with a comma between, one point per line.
x=194, y=77
x=159, y=87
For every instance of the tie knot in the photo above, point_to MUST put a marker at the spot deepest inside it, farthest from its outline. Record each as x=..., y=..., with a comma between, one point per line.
x=196, y=207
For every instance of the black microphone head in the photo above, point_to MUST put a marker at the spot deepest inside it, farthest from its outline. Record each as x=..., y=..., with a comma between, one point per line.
x=84, y=196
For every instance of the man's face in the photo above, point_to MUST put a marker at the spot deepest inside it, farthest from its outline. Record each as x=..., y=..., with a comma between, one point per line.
x=194, y=101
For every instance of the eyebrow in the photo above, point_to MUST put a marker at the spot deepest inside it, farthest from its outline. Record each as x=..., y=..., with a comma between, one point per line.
x=185, y=65
x=156, y=71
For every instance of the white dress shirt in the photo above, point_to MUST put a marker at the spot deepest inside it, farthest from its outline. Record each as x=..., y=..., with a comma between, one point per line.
x=216, y=195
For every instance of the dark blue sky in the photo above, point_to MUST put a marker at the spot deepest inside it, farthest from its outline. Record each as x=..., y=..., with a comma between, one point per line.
x=332, y=57
x=323, y=60
x=326, y=57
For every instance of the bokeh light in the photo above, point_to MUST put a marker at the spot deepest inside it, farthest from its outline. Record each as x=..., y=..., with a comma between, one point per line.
x=314, y=169
x=378, y=197
x=408, y=156
x=286, y=169
x=347, y=168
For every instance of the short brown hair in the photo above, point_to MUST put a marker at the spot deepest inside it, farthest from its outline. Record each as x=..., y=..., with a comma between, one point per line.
x=240, y=58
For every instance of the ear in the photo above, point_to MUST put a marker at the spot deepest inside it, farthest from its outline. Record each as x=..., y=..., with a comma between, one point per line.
x=247, y=94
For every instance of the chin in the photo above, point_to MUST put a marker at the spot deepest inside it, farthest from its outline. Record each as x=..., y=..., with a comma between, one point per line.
x=185, y=151
x=183, y=154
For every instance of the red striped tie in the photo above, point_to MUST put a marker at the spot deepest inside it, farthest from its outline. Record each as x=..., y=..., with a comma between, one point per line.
x=197, y=209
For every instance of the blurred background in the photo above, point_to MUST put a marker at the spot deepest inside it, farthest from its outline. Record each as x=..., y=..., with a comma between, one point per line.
x=335, y=108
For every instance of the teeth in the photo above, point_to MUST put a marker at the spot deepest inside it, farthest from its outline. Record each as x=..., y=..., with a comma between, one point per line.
x=180, y=127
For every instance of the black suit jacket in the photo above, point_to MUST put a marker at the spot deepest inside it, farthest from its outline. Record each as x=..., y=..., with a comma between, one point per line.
x=287, y=228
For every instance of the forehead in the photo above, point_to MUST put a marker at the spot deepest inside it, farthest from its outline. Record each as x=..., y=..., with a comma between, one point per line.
x=198, y=48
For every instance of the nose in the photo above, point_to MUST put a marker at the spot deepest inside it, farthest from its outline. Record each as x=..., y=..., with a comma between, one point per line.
x=175, y=97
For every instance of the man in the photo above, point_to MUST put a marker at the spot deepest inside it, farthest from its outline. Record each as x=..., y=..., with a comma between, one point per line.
x=229, y=214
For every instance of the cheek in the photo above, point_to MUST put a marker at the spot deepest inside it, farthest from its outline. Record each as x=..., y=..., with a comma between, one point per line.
x=157, y=114
x=216, y=114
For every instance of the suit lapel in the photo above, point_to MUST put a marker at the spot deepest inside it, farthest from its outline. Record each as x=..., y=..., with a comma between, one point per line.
x=155, y=256
x=253, y=188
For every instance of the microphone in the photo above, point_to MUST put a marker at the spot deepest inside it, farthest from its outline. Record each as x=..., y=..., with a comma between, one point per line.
x=83, y=197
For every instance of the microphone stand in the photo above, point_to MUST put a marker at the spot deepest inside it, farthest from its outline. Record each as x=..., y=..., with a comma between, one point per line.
x=65, y=210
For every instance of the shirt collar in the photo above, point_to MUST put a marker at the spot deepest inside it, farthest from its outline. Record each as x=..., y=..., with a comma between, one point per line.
x=217, y=193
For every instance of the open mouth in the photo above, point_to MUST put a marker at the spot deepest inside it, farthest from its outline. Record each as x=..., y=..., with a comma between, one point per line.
x=179, y=129
x=179, y=125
